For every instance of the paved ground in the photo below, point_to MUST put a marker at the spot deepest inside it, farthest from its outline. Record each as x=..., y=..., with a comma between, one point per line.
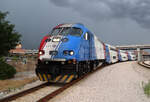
x=147, y=62
x=120, y=82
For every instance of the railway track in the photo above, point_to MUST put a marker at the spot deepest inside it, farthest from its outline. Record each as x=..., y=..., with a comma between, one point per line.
x=23, y=93
x=53, y=94
x=48, y=96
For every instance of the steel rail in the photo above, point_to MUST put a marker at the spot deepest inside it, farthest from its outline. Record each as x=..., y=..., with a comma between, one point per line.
x=23, y=93
x=60, y=90
x=49, y=96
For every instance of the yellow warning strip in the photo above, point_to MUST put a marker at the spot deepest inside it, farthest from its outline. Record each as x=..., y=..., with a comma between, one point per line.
x=40, y=77
x=57, y=78
x=69, y=79
x=45, y=77
x=62, y=80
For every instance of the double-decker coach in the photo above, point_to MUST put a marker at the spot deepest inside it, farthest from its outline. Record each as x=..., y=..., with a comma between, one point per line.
x=111, y=54
x=123, y=55
x=131, y=56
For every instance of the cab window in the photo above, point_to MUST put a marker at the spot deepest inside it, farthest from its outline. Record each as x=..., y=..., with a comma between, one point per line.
x=67, y=31
x=56, y=31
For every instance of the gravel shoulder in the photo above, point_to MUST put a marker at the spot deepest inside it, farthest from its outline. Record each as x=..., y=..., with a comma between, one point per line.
x=17, y=83
x=35, y=96
x=121, y=82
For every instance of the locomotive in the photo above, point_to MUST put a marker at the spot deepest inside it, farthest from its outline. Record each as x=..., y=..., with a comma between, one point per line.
x=71, y=50
x=68, y=52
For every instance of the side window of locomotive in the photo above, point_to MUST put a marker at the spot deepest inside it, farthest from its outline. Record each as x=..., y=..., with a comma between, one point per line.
x=86, y=36
x=75, y=31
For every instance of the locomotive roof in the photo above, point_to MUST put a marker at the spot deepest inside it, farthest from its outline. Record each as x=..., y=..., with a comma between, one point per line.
x=69, y=25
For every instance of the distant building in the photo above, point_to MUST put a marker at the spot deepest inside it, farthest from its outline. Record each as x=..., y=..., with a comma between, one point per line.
x=142, y=52
x=19, y=46
x=19, y=51
x=31, y=51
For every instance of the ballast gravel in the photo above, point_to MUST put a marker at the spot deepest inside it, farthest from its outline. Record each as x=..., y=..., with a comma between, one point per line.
x=35, y=96
x=121, y=82
x=17, y=90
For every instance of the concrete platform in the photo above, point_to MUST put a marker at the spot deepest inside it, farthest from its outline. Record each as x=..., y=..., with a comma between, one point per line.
x=145, y=64
x=121, y=82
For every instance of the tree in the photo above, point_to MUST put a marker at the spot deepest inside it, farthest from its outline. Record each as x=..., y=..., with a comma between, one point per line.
x=6, y=71
x=9, y=38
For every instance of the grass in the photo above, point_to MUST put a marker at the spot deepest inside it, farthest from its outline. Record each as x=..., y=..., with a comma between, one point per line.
x=13, y=84
x=10, y=84
x=147, y=89
x=15, y=58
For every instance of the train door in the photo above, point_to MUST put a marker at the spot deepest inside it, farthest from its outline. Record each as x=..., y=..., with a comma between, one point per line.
x=86, y=46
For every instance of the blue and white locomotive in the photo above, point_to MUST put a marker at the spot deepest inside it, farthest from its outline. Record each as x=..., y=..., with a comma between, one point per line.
x=68, y=52
x=71, y=50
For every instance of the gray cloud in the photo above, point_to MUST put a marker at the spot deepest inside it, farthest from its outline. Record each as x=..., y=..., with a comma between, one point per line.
x=113, y=21
x=138, y=10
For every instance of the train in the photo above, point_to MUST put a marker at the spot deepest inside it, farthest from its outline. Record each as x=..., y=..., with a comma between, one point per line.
x=71, y=50
x=131, y=56
x=123, y=55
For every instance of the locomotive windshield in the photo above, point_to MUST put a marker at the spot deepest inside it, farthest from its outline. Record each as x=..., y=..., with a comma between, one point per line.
x=67, y=30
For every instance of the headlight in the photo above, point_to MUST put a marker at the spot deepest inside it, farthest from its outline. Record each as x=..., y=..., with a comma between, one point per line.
x=56, y=40
x=71, y=53
x=66, y=52
x=41, y=52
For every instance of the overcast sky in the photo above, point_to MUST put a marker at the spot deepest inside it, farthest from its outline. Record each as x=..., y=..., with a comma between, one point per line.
x=117, y=22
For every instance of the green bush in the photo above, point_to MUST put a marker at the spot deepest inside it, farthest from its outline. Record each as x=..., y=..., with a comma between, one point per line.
x=147, y=89
x=15, y=58
x=6, y=70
